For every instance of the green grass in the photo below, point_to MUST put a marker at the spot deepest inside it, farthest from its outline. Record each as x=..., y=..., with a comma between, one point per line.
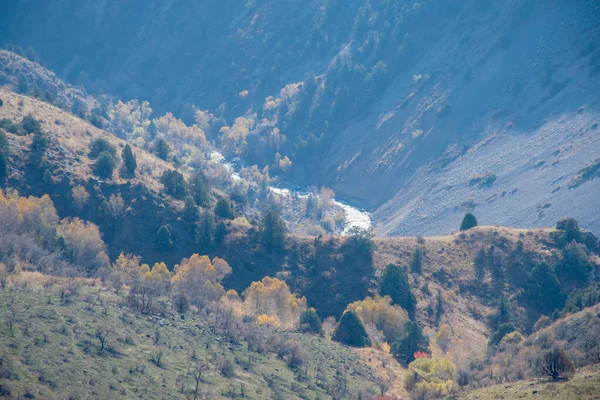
x=52, y=352
x=585, y=384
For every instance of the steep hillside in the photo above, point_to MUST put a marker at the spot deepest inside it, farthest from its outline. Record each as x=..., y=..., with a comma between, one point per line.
x=414, y=123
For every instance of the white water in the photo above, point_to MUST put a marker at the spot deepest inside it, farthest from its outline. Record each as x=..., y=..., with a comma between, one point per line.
x=355, y=217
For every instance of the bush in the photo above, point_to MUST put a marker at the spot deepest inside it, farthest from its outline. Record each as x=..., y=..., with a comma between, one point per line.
x=429, y=378
x=99, y=146
x=351, y=331
x=468, y=222
x=31, y=125
x=105, y=165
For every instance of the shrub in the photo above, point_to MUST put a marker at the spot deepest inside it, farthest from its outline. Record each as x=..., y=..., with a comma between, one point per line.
x=351, y=331
x=98, y=146
x=468, y=222
x=31, y=125
x=227, y=368
x=104, y=165
x=429, y=378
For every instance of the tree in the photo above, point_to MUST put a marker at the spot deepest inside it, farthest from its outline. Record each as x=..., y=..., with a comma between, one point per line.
x=79, y=197
x=502, y=331
x=273, y=232
x=4, y=145
x=479, y=265
x=379, y=312
x=430, y=378
x=190, y=211
x=417, y=262
x=205, y=229
x=224, y=210
x=83, y=244
x=174, y=184
x=556, y=364
x=3, y=169
x=200, y=188
x=129, y=161
x=544, y=288
x=412, y=341
x=164, y=238
x=152, y=130
x=102, y=334
x=162, y=149
x=199, y=278
x=220, y=233
x=394, y=283
x=104, y=165
x=98, y=146
x=351, y=331
x=574, y=264
x=310, y=322
x=468, y=222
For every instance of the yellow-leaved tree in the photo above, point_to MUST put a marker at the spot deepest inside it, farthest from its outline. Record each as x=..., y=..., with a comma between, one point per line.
x=428, y=378
x=379, y=312
x=272, y=302
x=199, y=278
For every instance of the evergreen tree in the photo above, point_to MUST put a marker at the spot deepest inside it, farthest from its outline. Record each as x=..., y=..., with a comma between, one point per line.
x=468, y=222
x=152, y=130
x=104, y=165
x=351, y=331
x=200, y=188
x=190, y=211
x=479, y=265
x=224, y=210
x=129, y=160
x=47, y=180
x=544, y=288
x=162, y=149
x=417, y=262
x=273, y=232
x=310, y=322
x=220, y=233
x=101, y=145
x=3, y=169
x=164, y=238
x=412, y=341
x=502, y=331
x=22, y=84
x=4, y=145
x=174, y=184
x=205, y=229
x=394, y=283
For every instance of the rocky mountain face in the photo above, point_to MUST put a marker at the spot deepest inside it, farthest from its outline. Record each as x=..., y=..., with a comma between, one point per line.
x=417, y=111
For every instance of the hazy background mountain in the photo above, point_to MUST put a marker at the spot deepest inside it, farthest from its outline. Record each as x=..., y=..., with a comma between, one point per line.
x=417, y=111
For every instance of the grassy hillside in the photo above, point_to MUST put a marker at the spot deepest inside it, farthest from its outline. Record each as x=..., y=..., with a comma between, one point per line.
x=49, y=341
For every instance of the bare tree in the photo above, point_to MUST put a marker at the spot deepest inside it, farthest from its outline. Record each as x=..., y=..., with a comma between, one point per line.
x=198, y=374
x=556, y=364
x=102, y=335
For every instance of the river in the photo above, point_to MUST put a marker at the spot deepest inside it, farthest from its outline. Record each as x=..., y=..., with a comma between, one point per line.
x=354, y=217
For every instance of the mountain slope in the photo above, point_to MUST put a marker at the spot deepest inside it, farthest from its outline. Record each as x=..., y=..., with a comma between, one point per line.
x=406, y=111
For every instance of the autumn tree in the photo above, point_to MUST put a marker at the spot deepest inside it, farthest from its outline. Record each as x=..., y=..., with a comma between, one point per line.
x=429, y=378
x=272, y=297
x=80, y=197
x=129, y=161
x=469, y=221
x=381, y=313
x=83, y=244
x=394, y=283
x=351, y=331
x=199, y=278
x=224, y=210
x=147, y=284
